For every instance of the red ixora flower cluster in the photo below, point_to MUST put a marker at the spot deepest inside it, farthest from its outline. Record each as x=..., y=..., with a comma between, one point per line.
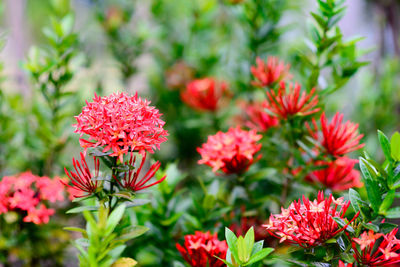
x=339, y=175
x=26, y=193
x=121, y=123
x=131, y=178
x=310, y=223
x=291, y=102
x=83, y=182
x=377, y=249
x=255, y=117
x=205, y=94
x=200, y=249
x=270, y=72
x=336, y=138
x=230, y=152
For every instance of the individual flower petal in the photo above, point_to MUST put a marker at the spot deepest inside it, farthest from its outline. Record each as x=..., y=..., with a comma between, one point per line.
x=205, y=94
x=230, y=152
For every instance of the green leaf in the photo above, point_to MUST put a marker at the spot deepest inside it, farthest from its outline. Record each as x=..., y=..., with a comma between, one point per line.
x=114, y=218
x=342, y=224
x=372, y=188
x=385, y=145
x=249, y=239
x=82, y=208
x=257, y=247
x=242, y=250
x=393, y=213
x=231, y=239
x=371, y=226
x=387, y=227
x=387, y=202
x=395, y=146
x=75, y=229
x=259, y=255
x=133, y=232
x=355, y=199
x=320, y=20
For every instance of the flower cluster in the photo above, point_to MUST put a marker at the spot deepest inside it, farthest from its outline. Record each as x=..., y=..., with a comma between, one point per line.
x=377, y=249
x=339, y=175
x=336, y=138
x=291, y=102
x=26, y=194
x=120, y=123
x=205, y=94
x=269, y=73
x=255, y=117
x=230, y=152
x=131, y=178
x=83, y=182
x=201, y=250
x=310, y=223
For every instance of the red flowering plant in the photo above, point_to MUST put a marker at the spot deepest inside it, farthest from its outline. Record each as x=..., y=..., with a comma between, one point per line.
x=113, y=128
x=27, y=203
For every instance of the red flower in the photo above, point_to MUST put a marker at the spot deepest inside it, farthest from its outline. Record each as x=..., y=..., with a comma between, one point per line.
x=255, y=116
x=82, y=180
x=25, y=194
x=342, y=264
x=336, y=137
x=205, y=94
x=288, y=103
x=270, y=73
x=131, y=179
x=309, y=224
x=339, y=175
x=200, y=249
x=230, y=152
x=121, y=123
x=375, y=250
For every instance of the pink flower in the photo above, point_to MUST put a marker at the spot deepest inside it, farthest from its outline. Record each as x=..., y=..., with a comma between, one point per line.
x=39, y=216
x=131, y=179
x=270, y=73
x=201, y=250
x=255, y=117
x=120, y=123
x=51, y=189
x=339, y=175
x=385, y=253
x=82, y=179
x=337, y=138
x=291, y=102
x=23, y=199
x=205, y=94
x=309, y=224
x=230, y=152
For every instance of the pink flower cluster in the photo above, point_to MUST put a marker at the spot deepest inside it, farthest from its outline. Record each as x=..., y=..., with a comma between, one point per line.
x=120, y=123
x=270, y=72
x=230, y=152
x=200, y=249
x=377, y=249
x=310, y=223
x=26, y=194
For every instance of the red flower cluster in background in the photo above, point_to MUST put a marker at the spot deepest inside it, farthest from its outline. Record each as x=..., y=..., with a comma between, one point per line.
x=310, y=223
x=269, y=73
x=339, y=175
x=377, y=249
x=200, y=249
x=255, y=117
x=230, y=152
x=83, y=182
x=26, y=194
x=120, y=123
x=205, y=94
x=131, y=179
x=337, y=138
x=290, y=102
